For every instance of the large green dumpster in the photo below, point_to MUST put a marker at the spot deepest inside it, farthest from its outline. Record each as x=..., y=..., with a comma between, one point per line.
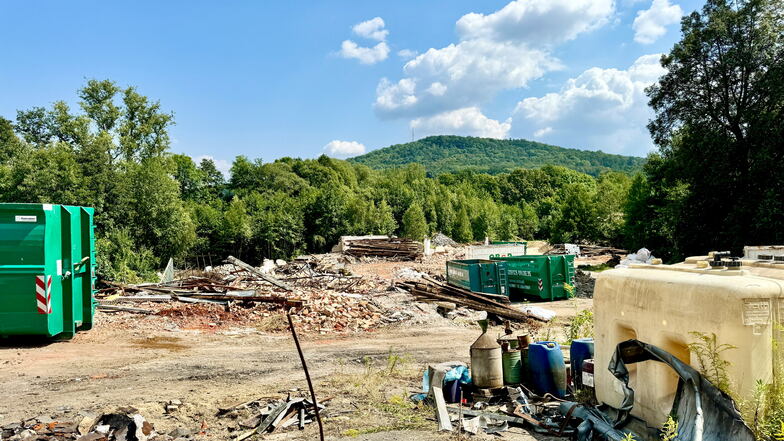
x=47, y=269
x=478, y=275
x=539, y=277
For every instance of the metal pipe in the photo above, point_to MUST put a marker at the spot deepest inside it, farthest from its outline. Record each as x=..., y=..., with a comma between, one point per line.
x=307, y=375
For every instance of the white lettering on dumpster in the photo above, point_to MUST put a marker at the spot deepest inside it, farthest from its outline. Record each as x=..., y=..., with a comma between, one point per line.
x=756, y=312
x=26, y=218
x=520, y=273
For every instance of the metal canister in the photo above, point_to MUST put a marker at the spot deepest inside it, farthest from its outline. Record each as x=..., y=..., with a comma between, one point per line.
x=486, y=365
x=512, y=364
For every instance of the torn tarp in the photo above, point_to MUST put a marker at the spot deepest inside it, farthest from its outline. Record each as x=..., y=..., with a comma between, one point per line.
x=703, y=412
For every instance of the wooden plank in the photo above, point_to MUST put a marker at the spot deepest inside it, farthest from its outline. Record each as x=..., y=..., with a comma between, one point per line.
x=256, y=272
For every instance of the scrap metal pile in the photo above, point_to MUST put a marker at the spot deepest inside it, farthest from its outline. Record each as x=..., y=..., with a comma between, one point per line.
x=255, y=418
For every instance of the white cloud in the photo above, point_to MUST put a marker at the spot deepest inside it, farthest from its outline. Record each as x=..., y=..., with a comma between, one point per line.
x=344, y=149
x=468, y=121
x=372, y=29
x=437, y=89
x=407, y=54
x=503, y=50
x=365, y=55
x=467, y=73
x=651, y=23
x=600, y=108
x=222, y=165
x=542, y=132
x=537, y=21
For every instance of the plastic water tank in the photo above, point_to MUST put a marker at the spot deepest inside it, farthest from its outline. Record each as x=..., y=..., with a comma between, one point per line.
x=664, y=304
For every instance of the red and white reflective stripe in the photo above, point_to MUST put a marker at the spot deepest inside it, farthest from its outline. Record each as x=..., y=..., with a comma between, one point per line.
x=541, y=285
x=43, y=294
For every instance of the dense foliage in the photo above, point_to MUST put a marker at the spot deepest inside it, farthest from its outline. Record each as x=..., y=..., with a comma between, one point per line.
x=152, y=205
x=443, y=154
x=718, y=179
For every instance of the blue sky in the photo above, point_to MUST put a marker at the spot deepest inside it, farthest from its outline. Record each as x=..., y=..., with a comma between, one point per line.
x=273, y=79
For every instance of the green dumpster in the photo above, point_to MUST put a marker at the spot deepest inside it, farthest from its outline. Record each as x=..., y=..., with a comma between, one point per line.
x=478, y=275
x=47, y=269
x=539, y=277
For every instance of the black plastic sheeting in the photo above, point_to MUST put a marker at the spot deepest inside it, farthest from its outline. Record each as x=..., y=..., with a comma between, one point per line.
x=703, y=412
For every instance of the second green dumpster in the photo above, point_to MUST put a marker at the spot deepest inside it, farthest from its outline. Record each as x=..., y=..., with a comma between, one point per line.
x=539, y=277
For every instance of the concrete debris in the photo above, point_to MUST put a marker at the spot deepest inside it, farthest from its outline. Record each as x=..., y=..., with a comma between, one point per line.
x=443, y=241
x=409, y=274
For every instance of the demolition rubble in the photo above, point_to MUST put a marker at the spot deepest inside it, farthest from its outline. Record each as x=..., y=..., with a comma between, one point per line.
x=534, y=368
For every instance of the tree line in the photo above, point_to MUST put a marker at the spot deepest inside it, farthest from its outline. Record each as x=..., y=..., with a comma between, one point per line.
x=114, y=154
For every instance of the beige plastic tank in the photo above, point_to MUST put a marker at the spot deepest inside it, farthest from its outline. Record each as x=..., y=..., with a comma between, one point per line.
x=663, y=304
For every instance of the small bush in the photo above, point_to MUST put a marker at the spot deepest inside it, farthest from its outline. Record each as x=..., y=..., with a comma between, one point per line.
x=580, y=326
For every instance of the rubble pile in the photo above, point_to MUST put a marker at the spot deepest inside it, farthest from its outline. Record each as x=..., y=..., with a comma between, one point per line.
x=326, y=271
x=442, y=240
x=123, y=425
x=235, y=294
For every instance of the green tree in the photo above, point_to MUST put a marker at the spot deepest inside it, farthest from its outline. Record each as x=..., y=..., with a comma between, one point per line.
x=719, y=124
x=414, y=223
x=461, y=232
x=577, y=219
x=383, y=220
x=149, y=205
x=612, y=190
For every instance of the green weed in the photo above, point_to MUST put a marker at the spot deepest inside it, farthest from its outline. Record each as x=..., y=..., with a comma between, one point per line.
x=709, y=355
x=670, y=430
x=580, y=326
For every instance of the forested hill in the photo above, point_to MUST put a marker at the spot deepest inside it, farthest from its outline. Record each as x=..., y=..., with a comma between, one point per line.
x=441, y=154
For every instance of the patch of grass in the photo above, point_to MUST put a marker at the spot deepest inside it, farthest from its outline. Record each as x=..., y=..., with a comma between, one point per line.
x=275, y=322
x=378, y=397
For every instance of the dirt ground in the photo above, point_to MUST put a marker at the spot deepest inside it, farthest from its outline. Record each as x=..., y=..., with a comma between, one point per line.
x=144, y=362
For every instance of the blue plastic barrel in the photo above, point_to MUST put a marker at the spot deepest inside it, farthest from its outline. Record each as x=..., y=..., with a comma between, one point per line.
x=547, y=368
x=581, y=350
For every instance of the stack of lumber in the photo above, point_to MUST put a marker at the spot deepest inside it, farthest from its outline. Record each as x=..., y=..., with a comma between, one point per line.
x=431, y=289
x=394, y=247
